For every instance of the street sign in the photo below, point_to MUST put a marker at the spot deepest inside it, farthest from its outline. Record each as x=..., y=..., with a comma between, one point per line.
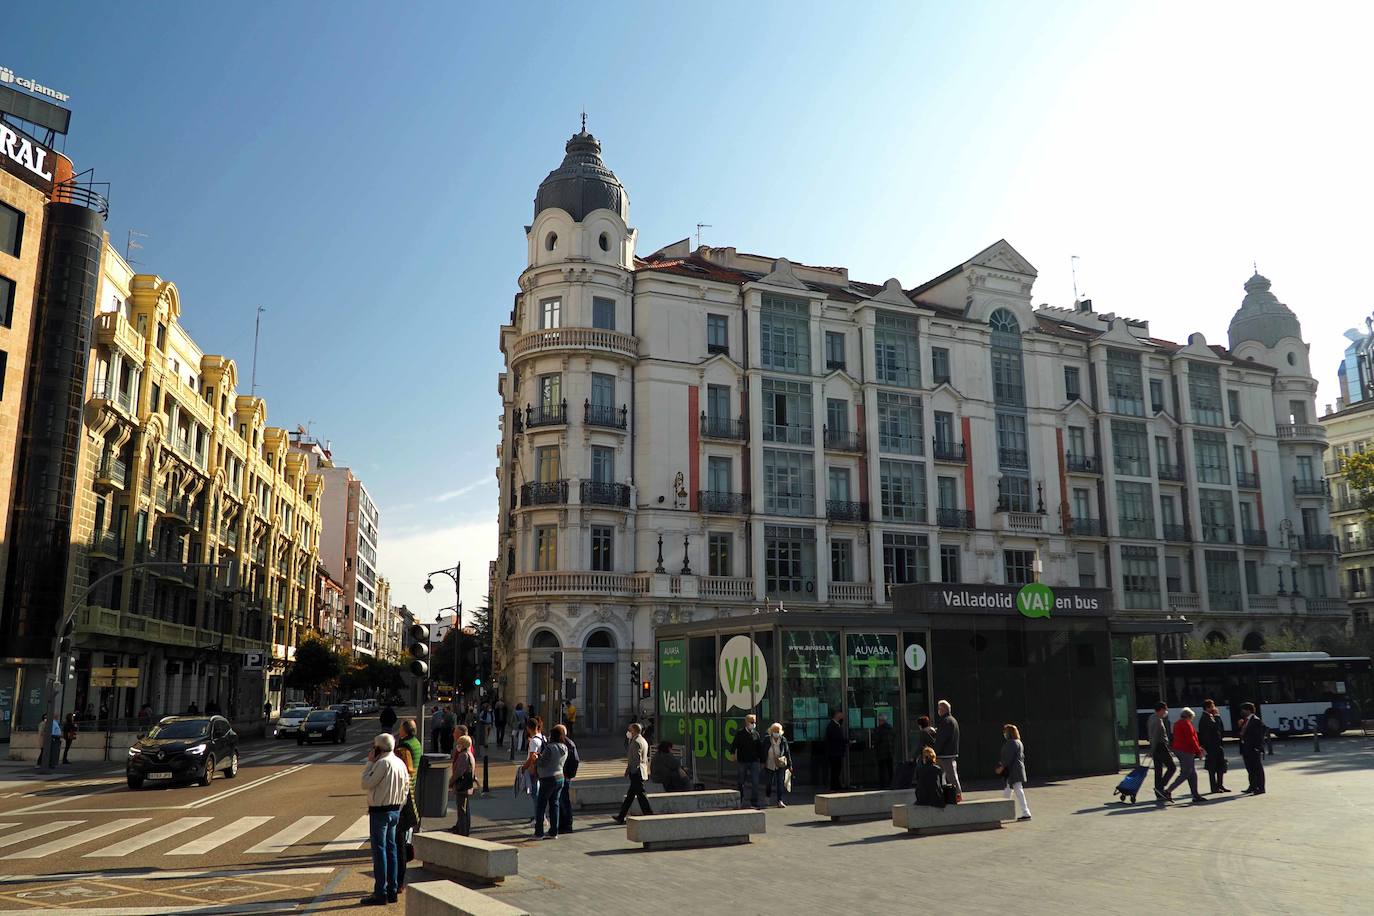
x=126, y=677
x=102, y=677
x=126, y=672
x=252, y=661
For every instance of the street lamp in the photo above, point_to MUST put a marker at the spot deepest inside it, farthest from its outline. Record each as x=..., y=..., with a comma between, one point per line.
x=457, y=640
x=454, y=573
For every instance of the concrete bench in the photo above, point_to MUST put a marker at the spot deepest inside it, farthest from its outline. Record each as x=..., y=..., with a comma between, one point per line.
x=604, y=794
x=444, y=898
x=691, y=802
x=454, y=856
x=862, y=804
x=703, y=828
x=969, y=815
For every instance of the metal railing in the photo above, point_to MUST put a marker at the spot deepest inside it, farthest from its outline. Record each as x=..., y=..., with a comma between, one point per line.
x=843, y=510
x=723, y=427
x=1219, y=534
x=842, y=440
x=1303, y=487
x=1247, y=480
x=544, y=493
x=1082, y=464
x=605, y=416
x=1176, y=533
x=1087, y=527
x=1254, y=537
x=113, y=469
x=1169, y=471
x=546, y=414
x=1136, y=527
x=1012, y=458
x=954, y=518
x=1322, y=542
x=722, y=502
x=944, y=450
x=598, y=493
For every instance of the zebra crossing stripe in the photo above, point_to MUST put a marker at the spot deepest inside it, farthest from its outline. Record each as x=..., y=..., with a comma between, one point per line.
x=156, y=835
x=352, y=838
x=309, y=758
x=76, y=839
x=38, y=831
x=346, y=757
x=278, y=842
x=221, y=836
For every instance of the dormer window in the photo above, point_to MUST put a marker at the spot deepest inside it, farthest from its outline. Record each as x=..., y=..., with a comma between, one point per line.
x=604, y=241
x=551, y=241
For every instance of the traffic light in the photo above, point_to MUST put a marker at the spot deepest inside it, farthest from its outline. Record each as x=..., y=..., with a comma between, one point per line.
x=557, y=667
x=66, y=659
x=645, y=690
x=570, y=688
x=419, y=649
x=634, y=672
x=477, y=682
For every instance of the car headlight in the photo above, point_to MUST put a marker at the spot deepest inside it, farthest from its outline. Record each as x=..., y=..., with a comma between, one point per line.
x=197, y=750
x=135, y=751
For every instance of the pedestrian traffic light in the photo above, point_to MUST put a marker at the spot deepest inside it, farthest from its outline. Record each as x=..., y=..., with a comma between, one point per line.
x=419, y=649
x=634, y=672
x=477, y=682
x=645, y=690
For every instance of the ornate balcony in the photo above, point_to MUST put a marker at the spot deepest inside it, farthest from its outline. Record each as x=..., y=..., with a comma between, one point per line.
x=577, y=583
x=843, y=510
x=113, y=329
x=722, y=502
x=552, y=340
x=1021, y=522
x=1316, y=542
x=947, y=451
x=105, y=544
x=544, y=493
x=112, y=473
x=1136, y=527
x=954, y=518
x=842, y=440
x=851, y=592
x=1087, y=527
x=1218, y=534
x=723, y=428
x=1310, y=487
x=1302, y=432
x=545, y=415
x=1012, y=458
x=1082, y=464
x=596, y=493
x=605, y=416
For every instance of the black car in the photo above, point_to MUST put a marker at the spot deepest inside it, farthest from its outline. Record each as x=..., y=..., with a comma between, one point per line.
x=345, y=712
x=185, y=748
x=322, y=725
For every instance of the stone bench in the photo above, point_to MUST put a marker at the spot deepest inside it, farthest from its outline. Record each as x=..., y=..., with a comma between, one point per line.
x=604, y=794
x=692, y=802
x=969, y=815
x=874, y=804
x=703, y=828
x=445, y=898
x=467, y=858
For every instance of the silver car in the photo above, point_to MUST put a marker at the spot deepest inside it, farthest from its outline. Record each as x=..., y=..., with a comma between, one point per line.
x=289, y=723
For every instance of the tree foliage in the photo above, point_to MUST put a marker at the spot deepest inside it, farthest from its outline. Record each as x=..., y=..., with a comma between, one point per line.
x=1358, y=470
x=476, y=650
x=316, y=664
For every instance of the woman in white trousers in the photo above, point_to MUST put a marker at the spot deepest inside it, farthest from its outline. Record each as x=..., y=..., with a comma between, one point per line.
x=1012, y=768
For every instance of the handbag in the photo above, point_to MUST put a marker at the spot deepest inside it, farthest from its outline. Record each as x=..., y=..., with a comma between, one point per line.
x=951, y=797
x=787, y=780
x=1000, y=770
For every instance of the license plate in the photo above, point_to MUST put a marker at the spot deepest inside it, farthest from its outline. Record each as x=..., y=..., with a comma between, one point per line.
x=315, y=734
x=159, y=775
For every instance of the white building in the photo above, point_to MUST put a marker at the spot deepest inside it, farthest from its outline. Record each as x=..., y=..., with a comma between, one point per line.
x=692, y=434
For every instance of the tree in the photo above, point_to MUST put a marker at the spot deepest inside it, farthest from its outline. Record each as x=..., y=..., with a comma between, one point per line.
x=316, y=665
x=476, y=651
x=1358, y=470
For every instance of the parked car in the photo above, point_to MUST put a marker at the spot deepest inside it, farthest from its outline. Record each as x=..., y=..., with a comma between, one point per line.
x=370, y=704
x=322, y=725
x=290, y=722
x=345, y=712
x=184, y=748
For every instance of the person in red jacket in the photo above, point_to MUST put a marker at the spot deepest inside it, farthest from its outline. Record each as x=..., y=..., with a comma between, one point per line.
x=1187, y=748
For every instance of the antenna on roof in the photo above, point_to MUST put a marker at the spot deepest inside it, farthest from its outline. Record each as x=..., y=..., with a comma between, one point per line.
x=584, y=119
x=1073, y=267
x=131, y=246
x=257, y=328
x=701, y=226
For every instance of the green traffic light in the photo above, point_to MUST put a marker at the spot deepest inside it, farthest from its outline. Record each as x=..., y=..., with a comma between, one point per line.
x=477, y=682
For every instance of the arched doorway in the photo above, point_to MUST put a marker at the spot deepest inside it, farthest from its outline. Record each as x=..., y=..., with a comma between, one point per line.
x=1216, y=636
x=543, y=698
x=1253, y=642
x=598, y=694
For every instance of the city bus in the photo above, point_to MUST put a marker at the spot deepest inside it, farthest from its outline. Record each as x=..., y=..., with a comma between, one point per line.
x=1296, y=692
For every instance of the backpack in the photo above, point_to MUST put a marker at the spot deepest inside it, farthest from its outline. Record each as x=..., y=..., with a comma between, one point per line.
x=571, y=764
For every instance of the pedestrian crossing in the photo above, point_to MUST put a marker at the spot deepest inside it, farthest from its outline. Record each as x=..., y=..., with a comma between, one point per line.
x=256, y=835
x=294, y=755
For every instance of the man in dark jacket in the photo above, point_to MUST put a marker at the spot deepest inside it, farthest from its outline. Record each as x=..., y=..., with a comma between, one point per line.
x=836, y=747
x=748, y=753
x=884, y=744
x=1160, y=734
x=1252, y=747
x=947, y=746
x=1209, y=735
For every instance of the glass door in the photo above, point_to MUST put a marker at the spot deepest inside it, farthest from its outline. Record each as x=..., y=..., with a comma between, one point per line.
x=600, y=676
x=916, y=671
x=873, y=696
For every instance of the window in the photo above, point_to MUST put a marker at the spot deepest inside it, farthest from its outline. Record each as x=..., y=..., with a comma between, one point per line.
x=1247, y=516
x=1238, y=453
x=1233, y=405
x=1305, y=468
x=603, y=391
x=841, y=560
x=786, y=411
x=1140, y=577
x=785, y=334
x=1204, y=394
x=1124, y=392
x=717, y=334
x=834, y=350
x=7, y=288
x=949, y=563
x=4, y=364
x=1135, y=509
x=603, y=464
x=161, y=342
x=1130, y=449
x=946, y=493
x=789, y=562
x=1013, y=494
x=1223, y=580
x=1082, y=503
x=718, y=402
x=550, y=313
x=1252, y=577
x=1011, y=441
x=11, y=230
x=1355, y=578
x=1210, y=452
x=1156, y=395
x=718, y=554
x=1316, y=580
x=939, y=365
x=603, y=312
x=1173, y=575
x=903, y=487
x=900, y=424
x=944, y=429
x=1297, y=412
x=719, y=474
x=837, y=415
x=1072, y=384
x=1087, y=569
x=545, y=548
x=789, y=482
x=1216, y=516
x=546, y=463
x=896, y=360
x=1018, y=567
x=602, y=539
x=550, y=392
x=1008, y=380
x=1078, y=442
x=905, y=558
x=838, y=480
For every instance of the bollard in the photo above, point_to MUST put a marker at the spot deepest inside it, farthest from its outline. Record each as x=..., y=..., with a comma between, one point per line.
x=486, y=785
x=1316, y=741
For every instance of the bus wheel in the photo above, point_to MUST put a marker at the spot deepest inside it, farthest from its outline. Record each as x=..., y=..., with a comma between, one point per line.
x=1332, y=726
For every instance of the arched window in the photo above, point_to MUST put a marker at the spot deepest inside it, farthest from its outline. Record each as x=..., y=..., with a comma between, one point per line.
x=544, y=640
x=1253, y=642
x=551, y=241
x=1006, y=330
x=600, y=639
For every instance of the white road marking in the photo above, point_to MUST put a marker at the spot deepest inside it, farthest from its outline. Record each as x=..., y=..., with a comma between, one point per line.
x=76, y=839
x=318, y=755
x=220, y=837
x=156, y=835
x=7, y=826
x=218, y=909
x=282, y=839
x=355, y=837
x=346, y=757
x=38, y=831
x=230, y=793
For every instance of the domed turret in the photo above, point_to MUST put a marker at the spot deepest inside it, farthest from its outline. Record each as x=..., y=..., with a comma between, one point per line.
x=1262, y=317
x=582, y=183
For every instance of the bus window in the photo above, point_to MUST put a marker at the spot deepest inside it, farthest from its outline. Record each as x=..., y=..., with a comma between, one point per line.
x=1275, y=689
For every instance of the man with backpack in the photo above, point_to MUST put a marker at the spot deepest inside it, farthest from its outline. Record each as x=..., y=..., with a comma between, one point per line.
x=569, y=771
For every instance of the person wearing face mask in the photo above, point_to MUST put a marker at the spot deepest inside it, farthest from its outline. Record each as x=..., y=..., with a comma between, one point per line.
x=779, y=762
x=637, y=769
x=748, y=751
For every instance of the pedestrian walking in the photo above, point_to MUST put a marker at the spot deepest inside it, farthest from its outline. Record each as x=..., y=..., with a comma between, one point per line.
x=929, y=780
x=1252, y=732
x=448, y=730
x=517, y=734
x=145, y=716
x=436, y=725
x=549, y=768
x=570, y=766
x=748, y=751
x=637, y=770
x=884, y=747
x=836, y=747
x=387, y=719
x=667, y=770
x=534, y=743
x=409, y=750
x=69, y=731
x=778, y=761
x=1160, y=736
x=498, y=718
x=387, y=785
x=1210, y=733
x=1186, y=747
x=947, y=746
x=461, y=782
x=1012, y=768
x=192, y=710
x=488, y=722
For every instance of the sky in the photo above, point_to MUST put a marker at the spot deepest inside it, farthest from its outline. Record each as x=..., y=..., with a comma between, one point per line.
x=364, y=172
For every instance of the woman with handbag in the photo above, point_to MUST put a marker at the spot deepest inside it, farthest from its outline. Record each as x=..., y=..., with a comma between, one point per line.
x=1186, y=747
x=461, y=782
x=1012, y=768
x=929, y=780
x=778, y=761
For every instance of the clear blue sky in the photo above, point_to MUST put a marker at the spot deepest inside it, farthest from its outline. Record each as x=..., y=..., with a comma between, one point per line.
x=365, y=171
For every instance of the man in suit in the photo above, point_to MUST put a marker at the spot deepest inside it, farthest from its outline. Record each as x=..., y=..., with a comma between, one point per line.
x=947, y=746
x=836, y=747
x=637, y=769
x=1252, y=747
x=1160, y=736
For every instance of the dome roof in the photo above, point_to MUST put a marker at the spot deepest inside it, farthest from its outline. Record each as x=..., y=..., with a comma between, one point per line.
x=582, y=183
x=1262, y=317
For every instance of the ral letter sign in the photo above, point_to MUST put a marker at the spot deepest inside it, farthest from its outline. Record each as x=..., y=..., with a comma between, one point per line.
x=252, y=660
x=1035, y=600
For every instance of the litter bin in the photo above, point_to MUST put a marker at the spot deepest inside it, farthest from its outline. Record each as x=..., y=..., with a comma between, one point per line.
x=432, y=785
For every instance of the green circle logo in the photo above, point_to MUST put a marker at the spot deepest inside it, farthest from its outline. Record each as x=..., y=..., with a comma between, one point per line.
x=1035, y=599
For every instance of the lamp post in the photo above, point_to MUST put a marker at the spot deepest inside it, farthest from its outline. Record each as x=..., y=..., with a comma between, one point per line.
x=453, y=573
x=457, y=634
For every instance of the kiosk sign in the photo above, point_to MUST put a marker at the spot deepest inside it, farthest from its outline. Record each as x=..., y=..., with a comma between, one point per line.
x=1035, y=600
